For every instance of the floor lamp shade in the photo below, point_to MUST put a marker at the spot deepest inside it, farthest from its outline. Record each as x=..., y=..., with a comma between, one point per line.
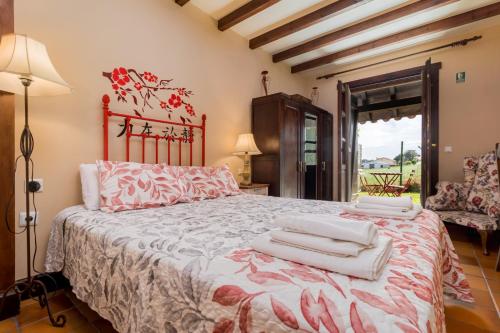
x=24, y=58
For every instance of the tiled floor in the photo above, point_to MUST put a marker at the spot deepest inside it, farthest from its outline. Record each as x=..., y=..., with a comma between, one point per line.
x=483, y=316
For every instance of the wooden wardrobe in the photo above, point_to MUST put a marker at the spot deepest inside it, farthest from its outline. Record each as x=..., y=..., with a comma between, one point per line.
x=296, y=141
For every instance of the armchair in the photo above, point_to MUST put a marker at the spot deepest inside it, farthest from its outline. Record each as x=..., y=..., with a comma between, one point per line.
x=475, y=203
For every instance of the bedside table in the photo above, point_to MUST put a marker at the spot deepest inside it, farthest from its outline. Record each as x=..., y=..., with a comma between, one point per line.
x=259, y=189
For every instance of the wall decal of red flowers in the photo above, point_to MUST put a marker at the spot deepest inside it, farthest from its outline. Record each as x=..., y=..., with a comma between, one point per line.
x=148, y=92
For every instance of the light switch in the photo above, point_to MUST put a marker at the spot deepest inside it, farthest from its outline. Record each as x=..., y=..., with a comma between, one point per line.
x=448, y=149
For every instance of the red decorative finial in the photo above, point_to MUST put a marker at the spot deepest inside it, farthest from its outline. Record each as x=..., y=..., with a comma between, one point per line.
x=105, y=99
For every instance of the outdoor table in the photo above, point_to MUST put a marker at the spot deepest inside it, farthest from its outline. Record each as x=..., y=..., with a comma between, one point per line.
x=386, y=179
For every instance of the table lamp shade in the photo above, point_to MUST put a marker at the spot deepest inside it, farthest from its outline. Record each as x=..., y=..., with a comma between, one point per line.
x=246, y=145
x=23, y=57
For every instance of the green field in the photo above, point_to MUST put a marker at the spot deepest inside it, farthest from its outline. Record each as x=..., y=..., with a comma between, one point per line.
x=406, y=172
x=415, y=194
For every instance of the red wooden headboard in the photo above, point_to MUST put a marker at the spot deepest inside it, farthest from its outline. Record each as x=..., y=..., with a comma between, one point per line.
x=187, y=136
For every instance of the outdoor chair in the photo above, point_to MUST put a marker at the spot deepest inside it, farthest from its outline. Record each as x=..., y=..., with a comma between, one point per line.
x=372, y=189
x=397, y=190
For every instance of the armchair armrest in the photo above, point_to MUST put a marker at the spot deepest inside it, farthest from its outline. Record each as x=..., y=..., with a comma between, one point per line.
x=449, y=196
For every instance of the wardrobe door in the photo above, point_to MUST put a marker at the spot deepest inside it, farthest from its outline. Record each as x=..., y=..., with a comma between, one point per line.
x=310, y=155
x=326, y=156
x=290, y=152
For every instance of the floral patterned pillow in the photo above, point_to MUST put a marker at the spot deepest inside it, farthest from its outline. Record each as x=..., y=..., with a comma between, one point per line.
x=484, y=196
x=449, y=196
x=128, y=185
x=210, y=182
x=470, y=168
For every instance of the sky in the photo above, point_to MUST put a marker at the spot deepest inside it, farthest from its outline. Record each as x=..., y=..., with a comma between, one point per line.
x=383, y=139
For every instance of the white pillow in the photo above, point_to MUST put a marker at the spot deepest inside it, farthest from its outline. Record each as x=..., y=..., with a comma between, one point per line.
x=90, y=186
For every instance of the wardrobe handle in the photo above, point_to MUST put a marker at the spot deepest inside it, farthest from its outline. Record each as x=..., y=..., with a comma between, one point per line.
x=323, y=166
x=300, y=166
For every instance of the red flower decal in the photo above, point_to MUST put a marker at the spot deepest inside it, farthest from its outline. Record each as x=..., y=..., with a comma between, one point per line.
x=137, y=86
x=163, y=105
x=190, y=110
x=181, y=91
x=174, y=101
x=120, y=76
x=124, y=93
x=148, y=76
x=115, y=86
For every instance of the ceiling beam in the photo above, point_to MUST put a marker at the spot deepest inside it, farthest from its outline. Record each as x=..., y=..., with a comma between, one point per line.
x=242, y=13
x=356, y=28
x=181, y=2
x=441, y=25
x=301, y=23
x=397, y=103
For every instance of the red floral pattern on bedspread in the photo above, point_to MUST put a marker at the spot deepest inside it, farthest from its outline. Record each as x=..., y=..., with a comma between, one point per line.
x=408, y=297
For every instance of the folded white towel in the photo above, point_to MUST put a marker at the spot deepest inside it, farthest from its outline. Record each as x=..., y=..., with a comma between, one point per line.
x=316, y=243
x=331, y=226
x=382, y=207
x=404, y=202
x=409, y=215
x=368, y=264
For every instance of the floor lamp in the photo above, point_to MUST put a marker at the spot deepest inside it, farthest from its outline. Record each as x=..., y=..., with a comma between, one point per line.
x=25, y=67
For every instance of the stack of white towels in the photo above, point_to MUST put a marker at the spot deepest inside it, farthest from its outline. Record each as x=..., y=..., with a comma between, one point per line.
x=328, y=242
x=401, y=207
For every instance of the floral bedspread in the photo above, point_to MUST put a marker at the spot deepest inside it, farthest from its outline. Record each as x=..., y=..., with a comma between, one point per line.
x=188, y=268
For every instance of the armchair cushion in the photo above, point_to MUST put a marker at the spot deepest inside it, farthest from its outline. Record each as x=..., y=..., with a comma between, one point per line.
x=484, y=196
x=449, y=196
x=473, y=220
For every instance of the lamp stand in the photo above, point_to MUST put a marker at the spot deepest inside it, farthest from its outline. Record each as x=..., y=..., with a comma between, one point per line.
x=30, y=286
x=246, y=174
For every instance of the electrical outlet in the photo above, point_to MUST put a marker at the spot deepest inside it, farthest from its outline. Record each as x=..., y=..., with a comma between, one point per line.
x=448, y=149
x=22, y=218
x=39, y=181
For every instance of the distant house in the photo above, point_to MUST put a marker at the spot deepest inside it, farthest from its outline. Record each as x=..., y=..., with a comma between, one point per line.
x=379, y=163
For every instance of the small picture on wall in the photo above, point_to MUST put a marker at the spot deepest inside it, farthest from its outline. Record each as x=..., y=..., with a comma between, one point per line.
x=460, y=77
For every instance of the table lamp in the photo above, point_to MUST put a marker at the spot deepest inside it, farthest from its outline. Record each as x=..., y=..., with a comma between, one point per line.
x=25, y=66
x=246, y=146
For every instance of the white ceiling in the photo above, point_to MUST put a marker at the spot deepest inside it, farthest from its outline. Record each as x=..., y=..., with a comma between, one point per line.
x=287, y=10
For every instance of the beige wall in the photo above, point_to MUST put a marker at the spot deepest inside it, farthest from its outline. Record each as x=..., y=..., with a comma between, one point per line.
x=87, y=37
x=469, y=113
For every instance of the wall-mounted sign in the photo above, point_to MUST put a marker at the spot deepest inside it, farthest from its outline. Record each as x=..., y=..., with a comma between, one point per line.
x=460, y=77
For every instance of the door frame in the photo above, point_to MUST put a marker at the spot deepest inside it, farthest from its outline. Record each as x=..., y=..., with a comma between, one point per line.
x=389, y=79
x=7, y=145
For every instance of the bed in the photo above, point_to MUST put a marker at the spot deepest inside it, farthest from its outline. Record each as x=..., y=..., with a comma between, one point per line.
x=189, y=268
